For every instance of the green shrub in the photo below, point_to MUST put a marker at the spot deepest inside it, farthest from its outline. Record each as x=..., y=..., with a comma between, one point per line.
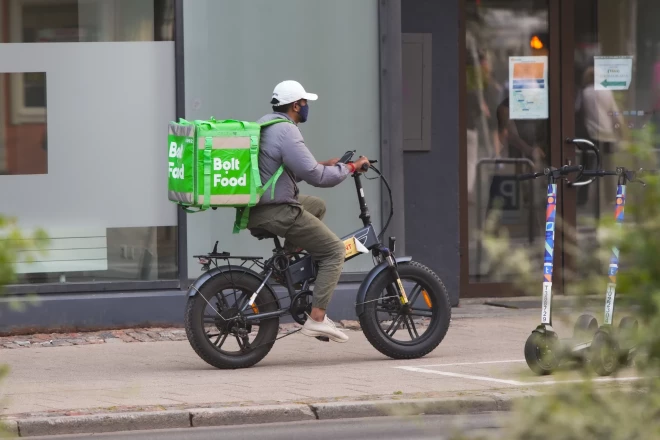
x=15, y=246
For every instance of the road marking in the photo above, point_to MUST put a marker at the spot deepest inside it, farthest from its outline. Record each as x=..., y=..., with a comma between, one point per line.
x=597, y=379
x=516, y=382
x=473, y=363
x=462, y=376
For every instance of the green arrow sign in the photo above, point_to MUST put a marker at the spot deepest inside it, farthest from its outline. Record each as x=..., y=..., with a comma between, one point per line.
x=613, y=83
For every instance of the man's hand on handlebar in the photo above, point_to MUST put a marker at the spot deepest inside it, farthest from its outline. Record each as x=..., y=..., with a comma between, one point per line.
x=361, y=165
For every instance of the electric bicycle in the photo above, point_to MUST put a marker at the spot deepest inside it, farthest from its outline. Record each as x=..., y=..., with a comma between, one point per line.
x=233, y=303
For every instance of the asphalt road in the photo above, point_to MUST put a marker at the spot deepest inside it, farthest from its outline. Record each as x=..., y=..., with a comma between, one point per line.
x=377, y=428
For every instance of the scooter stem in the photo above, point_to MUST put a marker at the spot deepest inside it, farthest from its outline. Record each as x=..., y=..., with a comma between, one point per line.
x=550, y=213
x=614, y=259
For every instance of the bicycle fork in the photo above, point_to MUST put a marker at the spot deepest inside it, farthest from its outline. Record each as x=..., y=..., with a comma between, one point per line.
x=391, y=263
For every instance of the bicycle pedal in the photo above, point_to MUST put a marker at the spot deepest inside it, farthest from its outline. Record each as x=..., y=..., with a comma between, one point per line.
x=323, y=338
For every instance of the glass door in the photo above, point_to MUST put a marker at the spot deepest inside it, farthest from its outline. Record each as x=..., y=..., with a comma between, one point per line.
x=512, y=126
x=612, y=52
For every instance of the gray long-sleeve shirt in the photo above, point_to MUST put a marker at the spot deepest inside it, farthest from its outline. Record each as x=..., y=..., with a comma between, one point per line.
x=282, y=143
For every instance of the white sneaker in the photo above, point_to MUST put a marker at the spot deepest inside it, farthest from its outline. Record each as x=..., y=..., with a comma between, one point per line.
x=326, y=329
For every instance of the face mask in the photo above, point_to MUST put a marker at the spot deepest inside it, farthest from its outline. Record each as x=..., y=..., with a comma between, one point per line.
x=304, y=112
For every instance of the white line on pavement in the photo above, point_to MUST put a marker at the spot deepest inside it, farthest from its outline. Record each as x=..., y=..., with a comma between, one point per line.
x=516, y=382
x=462, y=376
x=473, y=363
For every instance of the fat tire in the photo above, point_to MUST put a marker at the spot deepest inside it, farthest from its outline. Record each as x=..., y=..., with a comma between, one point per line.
x=194, y=325
x=628, y=328
x=585, y=326
x=438, y=327
x=534, y=359
x=604, y=342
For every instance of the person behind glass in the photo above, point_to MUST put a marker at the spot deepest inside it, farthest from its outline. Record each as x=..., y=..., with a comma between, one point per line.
x=604, y=125
x=520, y=138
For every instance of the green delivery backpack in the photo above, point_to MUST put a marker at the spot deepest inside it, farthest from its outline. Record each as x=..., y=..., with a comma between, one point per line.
x=215, y=164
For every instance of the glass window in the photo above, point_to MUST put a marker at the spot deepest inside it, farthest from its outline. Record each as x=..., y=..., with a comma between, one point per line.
x=88, y=170
x=617, y=87
x=23, y=146
x=502, y=138
x=236, y=52
x=70, y=21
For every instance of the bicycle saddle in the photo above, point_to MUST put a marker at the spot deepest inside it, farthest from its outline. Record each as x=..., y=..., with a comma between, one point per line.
x=261, y=234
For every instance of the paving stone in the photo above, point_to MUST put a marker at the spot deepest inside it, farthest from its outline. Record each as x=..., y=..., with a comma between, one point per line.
x=77, y=341
x=95, y=341
x=140, y=337
x=114, y=341
x=351, y=325
x=61, y=343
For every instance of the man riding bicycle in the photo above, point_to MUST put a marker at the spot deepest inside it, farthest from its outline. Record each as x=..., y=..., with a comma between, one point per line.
x=298, y=218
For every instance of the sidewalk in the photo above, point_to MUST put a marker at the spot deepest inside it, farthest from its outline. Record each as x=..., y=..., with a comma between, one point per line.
x=480, y=359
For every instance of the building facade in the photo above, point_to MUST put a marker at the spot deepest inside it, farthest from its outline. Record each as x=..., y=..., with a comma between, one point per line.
x=419, y=85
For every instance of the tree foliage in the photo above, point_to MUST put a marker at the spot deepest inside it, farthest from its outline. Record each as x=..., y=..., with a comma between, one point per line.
x=15, y=246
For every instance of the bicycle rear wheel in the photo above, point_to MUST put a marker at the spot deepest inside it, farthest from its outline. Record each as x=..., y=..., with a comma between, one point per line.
x=424, y=323
x=216, y=328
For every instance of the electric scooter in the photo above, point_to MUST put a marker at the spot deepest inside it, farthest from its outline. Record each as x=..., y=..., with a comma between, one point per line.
x=612, y=347
x=544, y=350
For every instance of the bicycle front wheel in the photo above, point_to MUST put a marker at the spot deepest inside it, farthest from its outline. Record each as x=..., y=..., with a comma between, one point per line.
x=411, y=331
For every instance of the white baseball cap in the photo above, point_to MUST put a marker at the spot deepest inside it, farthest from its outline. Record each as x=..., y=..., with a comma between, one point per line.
x=287, y=92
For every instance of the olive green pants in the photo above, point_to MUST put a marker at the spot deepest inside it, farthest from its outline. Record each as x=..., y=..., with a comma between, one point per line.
x=302, y=227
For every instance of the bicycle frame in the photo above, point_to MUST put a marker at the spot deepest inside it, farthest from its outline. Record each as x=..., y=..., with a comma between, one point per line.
x=303, y=270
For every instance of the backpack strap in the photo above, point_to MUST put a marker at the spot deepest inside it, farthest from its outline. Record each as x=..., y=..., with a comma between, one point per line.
x=208, y=146
x=243, y=214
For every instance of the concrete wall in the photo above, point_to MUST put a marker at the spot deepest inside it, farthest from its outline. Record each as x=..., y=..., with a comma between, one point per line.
x=431, y=178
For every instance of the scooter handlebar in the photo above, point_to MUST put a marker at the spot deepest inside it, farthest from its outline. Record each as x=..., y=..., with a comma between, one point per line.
x=567, y=169
x=530, y=176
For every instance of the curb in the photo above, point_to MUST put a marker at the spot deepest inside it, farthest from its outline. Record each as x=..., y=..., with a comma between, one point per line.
x=9, y=427
x=98, y=423
x=207, y=417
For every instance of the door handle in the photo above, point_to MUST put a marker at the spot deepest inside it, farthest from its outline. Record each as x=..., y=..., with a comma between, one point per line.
x=581, y=144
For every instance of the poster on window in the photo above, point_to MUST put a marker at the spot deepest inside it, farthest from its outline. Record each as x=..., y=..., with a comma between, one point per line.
x=528, y=87
x=612, y=73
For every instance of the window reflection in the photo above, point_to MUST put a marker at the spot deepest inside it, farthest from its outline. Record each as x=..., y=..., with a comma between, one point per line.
x=500, y=146
x=612, y=112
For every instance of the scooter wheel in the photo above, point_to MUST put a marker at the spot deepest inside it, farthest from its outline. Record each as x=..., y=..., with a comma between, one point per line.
x=627, y=334
x=604, y=354
x=542, y=353
x=586, y=326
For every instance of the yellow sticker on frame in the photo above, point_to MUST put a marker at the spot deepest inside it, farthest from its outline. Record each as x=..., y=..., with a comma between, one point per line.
x=351, y=247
